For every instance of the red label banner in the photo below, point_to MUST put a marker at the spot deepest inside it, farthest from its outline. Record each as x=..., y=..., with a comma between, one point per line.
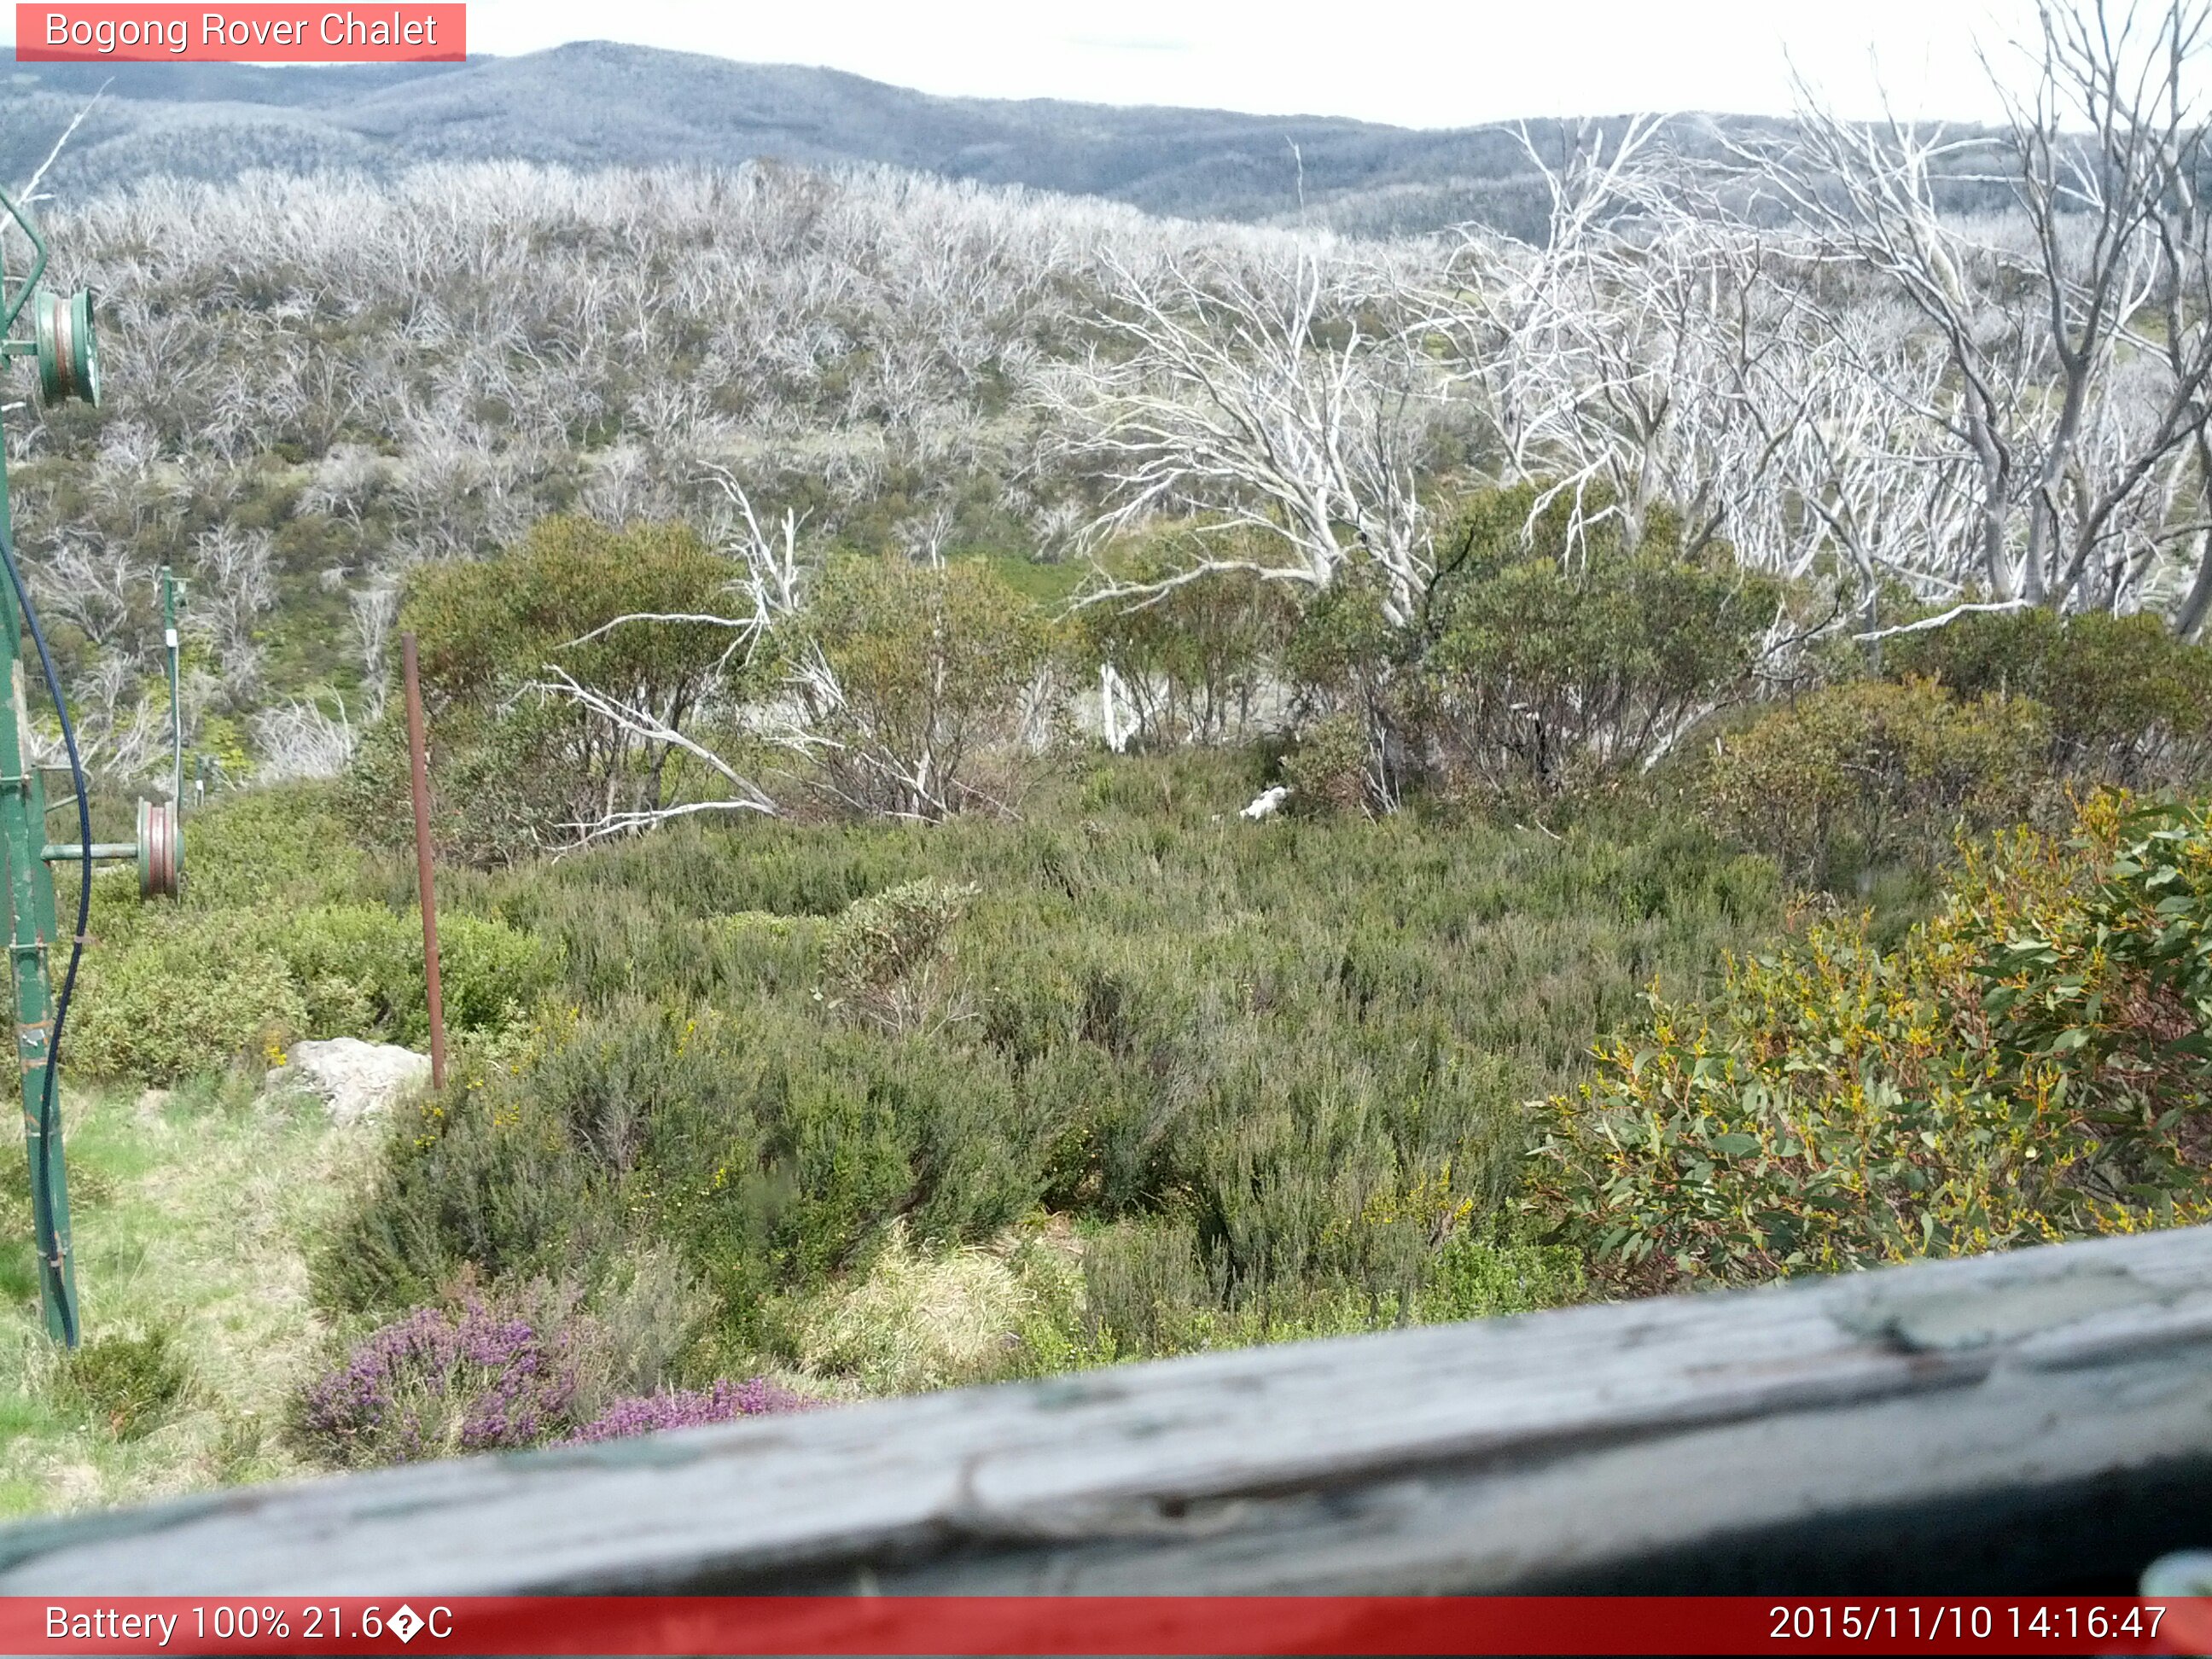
x=1045, y=1624
x=262, y=33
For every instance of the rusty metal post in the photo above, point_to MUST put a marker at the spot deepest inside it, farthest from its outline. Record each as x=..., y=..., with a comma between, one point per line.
x=417, y=755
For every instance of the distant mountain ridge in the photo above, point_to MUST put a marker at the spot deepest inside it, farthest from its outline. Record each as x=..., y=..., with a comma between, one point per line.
x=599, y=104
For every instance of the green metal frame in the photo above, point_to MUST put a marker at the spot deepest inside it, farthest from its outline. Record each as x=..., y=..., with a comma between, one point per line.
x=176, y=706
x=31, y=936
x=31, y=886
x=68, y=366
x=12, y=305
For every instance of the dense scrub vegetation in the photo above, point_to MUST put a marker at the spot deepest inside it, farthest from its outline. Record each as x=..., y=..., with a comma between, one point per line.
x=855, y=1094
x=1274, y=1075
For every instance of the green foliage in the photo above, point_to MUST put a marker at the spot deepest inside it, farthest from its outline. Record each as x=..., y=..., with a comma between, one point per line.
x=1546, y=661
x=464, y=1184
x=887, y=956
x=2117, y=989
x=1050, y=587
x=500, y=790
x=485, y=624
x=1477, y=1277
x=191, y=992
x=1352, y=665
x=283, y=844
x=1345, y=638
x=772, y=1154
x=128, y=1384
x=933, y=665
x=1534, y=663
x=1148, y=1293
x=1870, y=772
x=1328, y=770
x=273, y=941
x=516, y=768
x=359, y=970
x=1145, y=1290
x=2128, y=703
x=2003, y=1079
x=489, y=974
x=1194, y=661
x=919, y=1319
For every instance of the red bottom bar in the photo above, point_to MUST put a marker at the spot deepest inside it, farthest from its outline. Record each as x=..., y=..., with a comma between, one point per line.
x=1045, y=1624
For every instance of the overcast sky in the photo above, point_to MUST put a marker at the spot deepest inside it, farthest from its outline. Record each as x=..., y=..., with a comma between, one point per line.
x=1418, y=63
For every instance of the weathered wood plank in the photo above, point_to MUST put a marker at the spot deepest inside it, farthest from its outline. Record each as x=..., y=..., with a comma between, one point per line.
x=2042, y=1415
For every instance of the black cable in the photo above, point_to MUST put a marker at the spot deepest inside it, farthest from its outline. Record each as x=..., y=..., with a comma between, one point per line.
x=42, y=1196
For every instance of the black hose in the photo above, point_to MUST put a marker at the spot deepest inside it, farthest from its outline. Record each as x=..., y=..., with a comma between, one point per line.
x=42, y=1196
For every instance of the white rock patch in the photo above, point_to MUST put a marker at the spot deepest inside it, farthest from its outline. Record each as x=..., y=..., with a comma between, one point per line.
x=358, y=1079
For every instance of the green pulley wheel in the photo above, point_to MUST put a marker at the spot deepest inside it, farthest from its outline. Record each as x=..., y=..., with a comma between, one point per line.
x=160, y=849
x=68, y=358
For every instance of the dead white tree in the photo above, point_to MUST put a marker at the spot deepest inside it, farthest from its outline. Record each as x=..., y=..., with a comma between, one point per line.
x=27, y=192
x=375, y=613
x=1264, y=399
x=2076, y=330
x=662, y=734
x=98, y=587
x=1537, y=345
x=122, y=719
x=235, y=586
x=1855, y=487
x=769, y=590
x=300, y=739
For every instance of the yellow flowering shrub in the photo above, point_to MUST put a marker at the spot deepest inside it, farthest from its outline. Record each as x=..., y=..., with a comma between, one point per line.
x=2022, y=1069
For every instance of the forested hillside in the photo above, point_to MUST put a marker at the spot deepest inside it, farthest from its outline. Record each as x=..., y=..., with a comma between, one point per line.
x=599, y=104
x=596, y=105
x=1021, y=784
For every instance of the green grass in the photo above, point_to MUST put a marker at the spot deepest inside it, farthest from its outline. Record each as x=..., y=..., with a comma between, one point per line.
x=1051, y=585
x=191, y=1211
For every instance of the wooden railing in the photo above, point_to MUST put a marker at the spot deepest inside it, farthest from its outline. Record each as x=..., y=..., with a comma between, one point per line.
x=2037, y=1421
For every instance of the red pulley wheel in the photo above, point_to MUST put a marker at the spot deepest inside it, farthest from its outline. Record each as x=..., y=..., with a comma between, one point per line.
x=158, y=850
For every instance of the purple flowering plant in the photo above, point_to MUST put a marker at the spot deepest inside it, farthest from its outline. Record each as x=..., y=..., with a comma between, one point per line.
x=443, y=1381
x=525, y=1368
x=686, y=1409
